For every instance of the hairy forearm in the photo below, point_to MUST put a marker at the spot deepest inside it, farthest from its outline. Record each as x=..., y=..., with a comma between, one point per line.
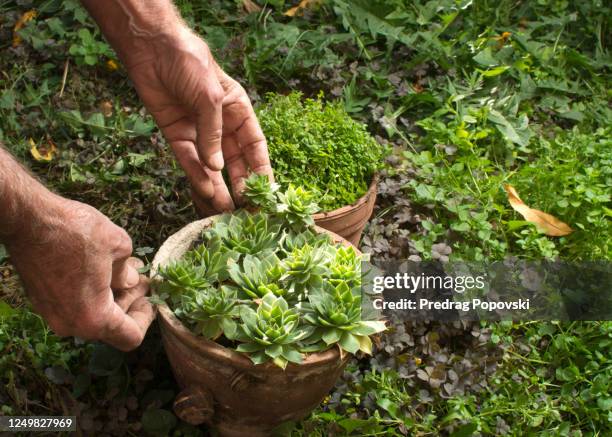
x=23, y=200
x=71, y=260
x=131, y=25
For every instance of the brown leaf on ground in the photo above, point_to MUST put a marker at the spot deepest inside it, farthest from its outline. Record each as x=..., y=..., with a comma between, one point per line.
x=299, y=8
x=44, y=152
x=250, y=6
x=547, y=223
x=106, y=108
x=111, y=65
x=27, y=16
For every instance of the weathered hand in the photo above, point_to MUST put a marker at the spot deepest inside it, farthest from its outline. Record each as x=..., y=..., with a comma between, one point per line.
x=76, y=268
x=205, y=115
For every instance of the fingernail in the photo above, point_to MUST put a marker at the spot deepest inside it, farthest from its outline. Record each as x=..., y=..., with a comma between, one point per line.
x=216, y=161
x=137, y=263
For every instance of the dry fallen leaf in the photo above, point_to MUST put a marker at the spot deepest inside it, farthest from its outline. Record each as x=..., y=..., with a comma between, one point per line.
x=502, y=39
x=45, y=153
x=106, y=108
x=112, y=65
x=547, y=223
x=299, y=8
x=27, y=16
x=250, y=6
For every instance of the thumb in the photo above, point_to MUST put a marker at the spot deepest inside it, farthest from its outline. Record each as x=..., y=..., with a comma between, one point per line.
x=125, y=332
x=125, y=273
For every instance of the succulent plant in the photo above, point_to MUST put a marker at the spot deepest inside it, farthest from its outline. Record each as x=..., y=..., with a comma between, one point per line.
x=271, y=332
x=296, y=207
x=268, y=283
x=345, y=267
x=336, y=311
x=213, y=258
x=292, y=241
x=182, y=277
x=259, y=191
x=212, y=310
x=304, y=268
x=201, y=268
x=246, y=233
x=257, y=277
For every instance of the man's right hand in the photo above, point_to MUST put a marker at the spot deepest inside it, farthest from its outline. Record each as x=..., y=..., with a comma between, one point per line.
x=205, y=115
x=76, y=268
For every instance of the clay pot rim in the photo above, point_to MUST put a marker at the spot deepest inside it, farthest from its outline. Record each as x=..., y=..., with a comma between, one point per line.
x=220, y=352
x=343, y=210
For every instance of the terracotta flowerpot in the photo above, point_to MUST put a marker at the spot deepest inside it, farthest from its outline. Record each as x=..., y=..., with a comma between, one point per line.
x=223, y=388
x=349, y=221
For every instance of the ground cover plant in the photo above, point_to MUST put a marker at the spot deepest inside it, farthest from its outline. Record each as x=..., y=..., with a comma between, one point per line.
x=317, y=145
x=269, y=284
x=470, y=96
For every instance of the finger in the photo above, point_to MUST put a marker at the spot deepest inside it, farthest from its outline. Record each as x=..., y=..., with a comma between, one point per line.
x=221, y=201
x=143, y=313
x=203, y=207
x=124, y=274
x=122, y=331
x=237, y=168
x=209, y=127
x=254, y=146
x=188, y=158
x=137, y=263
x=240, y=119
x=125, y=298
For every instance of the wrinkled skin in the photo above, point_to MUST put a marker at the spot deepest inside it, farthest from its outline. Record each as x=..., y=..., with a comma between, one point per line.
x=78, y=274
x=205, y=115
x=74, y=262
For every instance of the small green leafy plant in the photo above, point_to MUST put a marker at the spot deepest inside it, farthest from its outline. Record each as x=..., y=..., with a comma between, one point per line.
x=265, y=283
x=336, y=313
x=317, y=145
x=271, y=332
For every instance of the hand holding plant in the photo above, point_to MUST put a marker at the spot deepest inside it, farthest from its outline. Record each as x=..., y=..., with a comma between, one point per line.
x=205, y=115
x=76, y=268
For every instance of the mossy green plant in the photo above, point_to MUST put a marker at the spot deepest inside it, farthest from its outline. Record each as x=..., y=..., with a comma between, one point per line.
x=317, y=145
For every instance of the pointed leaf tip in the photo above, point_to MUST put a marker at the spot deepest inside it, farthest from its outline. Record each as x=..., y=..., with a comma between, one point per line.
x=547, y=223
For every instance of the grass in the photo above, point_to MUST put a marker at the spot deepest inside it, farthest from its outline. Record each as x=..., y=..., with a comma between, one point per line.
x=469, y=95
